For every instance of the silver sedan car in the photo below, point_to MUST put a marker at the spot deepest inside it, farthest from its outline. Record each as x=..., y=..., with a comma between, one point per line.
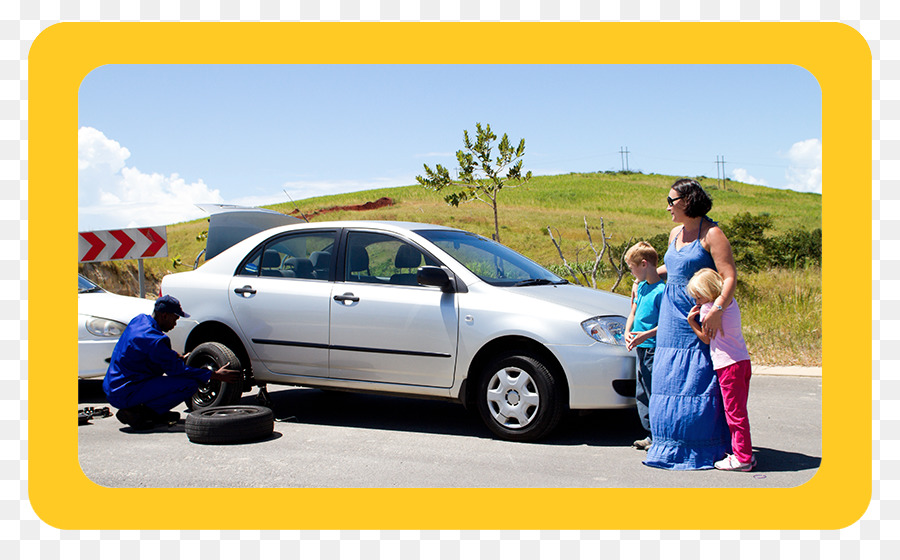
x=406, y=308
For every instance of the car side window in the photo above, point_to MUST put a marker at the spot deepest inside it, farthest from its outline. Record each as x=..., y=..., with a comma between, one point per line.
x=376, y=258
x=305, y=255
x=251, y=265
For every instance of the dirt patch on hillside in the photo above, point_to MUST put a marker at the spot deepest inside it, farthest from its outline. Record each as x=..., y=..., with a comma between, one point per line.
x=382, y=202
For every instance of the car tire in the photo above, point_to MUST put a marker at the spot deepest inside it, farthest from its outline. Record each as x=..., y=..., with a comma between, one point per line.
x=212, y=356
x=229, y=424
x=518, y=398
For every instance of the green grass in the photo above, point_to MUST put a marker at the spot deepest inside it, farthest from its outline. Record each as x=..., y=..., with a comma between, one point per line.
x=781, y=314
x=631, y=205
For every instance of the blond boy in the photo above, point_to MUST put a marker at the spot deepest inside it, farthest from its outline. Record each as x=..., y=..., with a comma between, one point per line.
x=640, y=329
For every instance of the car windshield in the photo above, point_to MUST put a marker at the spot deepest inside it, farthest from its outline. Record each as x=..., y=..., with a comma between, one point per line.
x=85, y=286
x=491, y=261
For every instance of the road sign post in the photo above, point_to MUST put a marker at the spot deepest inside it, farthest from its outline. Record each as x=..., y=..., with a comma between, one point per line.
x=122, y=244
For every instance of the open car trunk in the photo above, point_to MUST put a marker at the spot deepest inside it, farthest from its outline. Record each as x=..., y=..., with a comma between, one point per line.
x=229, y=224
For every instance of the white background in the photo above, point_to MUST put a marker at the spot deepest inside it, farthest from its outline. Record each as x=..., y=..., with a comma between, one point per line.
x=23, y=535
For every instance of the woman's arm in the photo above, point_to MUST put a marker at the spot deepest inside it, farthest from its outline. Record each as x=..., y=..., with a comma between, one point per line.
x=720, y=249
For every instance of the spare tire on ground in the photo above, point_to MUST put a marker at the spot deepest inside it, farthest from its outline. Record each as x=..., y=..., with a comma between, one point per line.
x=229, y=424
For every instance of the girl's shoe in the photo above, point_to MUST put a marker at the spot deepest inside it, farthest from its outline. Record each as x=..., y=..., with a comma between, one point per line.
x=731, y=463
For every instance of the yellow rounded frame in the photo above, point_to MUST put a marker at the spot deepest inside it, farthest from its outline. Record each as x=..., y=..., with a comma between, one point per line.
x=65, y=53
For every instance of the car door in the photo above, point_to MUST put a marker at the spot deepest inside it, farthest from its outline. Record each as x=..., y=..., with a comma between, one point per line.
x=384, y=326
x=281, y=299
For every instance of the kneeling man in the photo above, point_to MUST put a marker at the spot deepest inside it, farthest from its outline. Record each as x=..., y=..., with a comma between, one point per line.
x=146, y=378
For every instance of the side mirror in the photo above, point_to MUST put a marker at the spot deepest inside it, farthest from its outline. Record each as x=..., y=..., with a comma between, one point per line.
x=435, y=276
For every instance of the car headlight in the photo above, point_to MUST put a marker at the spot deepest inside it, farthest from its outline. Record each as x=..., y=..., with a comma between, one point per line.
x=104, y=327
x=608, y=330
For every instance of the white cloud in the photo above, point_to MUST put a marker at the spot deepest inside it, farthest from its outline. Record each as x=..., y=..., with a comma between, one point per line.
x=96, y=151
x=743, y=176
x=805, y=166
x=112, y=195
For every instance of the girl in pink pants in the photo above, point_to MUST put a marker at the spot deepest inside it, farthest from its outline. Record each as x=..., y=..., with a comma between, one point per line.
x=730, y=360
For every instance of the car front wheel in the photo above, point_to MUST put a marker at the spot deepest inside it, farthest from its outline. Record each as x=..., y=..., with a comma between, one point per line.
x=212, y=356
x=519, y=398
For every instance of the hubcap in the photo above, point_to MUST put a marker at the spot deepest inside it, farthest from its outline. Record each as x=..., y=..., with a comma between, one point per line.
x=512, y=397
x=206, y=394
x=228, y=411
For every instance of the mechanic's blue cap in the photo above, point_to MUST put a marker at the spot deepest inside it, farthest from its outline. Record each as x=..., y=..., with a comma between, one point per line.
x=168, y=304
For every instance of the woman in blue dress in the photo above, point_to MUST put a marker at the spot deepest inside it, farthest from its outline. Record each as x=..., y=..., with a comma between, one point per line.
x=687, y=417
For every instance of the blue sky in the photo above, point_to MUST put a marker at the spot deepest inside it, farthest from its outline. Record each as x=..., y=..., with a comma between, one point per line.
x=156, y=140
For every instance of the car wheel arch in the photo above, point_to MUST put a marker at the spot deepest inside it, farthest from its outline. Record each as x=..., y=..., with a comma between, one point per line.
x=506, y=344
x=214, y=331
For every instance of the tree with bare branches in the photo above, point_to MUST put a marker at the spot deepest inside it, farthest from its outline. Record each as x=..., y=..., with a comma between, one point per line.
x=606, y=250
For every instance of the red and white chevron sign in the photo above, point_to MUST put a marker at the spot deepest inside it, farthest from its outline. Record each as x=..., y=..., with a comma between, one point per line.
x=118, y=244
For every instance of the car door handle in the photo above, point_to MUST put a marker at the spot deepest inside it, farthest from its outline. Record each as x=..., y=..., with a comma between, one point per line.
x=245, y=290
x=346, y=297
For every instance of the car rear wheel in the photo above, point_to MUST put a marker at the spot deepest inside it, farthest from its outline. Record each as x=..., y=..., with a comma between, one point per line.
x=212, y=356
x=518, y=398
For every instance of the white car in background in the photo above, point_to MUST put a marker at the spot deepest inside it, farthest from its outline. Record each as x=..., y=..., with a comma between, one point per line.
x=410, y=309
x=102, y=316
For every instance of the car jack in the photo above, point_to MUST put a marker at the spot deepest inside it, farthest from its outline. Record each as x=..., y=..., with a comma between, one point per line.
x=262, y=397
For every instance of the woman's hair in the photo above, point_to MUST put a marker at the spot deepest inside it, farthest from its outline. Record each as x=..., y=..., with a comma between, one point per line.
x=706, y=283
x=696, y=202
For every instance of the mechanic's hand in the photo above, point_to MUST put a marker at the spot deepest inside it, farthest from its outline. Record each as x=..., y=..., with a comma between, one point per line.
x=226, y=375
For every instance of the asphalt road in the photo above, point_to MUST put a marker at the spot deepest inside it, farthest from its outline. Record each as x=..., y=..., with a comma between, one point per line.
x=332, y=439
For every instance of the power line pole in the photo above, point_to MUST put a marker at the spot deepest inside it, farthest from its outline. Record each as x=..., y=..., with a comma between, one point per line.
x=623, y=151
x=720, y=160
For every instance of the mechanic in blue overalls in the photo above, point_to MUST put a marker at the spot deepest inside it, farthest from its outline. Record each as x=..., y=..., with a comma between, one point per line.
x=146, y=378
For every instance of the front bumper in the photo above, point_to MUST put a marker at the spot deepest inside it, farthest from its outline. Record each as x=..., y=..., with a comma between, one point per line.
x=93, y=357
x=599, y=376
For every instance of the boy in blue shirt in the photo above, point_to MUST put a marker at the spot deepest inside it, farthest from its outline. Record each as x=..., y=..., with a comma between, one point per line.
x=640, y=329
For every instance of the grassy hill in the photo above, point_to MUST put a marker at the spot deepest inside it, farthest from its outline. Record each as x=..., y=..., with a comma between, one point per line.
x=631, y=205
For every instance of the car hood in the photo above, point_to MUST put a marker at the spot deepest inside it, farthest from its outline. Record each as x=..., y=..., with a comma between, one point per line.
x=583, y=300
x=113, y=306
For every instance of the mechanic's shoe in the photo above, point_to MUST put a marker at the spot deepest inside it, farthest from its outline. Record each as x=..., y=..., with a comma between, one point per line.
x=169, y=418
x=643, y=444
x=731, y=463
x=138, y=417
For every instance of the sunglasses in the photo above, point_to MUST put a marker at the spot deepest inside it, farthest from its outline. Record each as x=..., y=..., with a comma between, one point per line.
x=672, y=200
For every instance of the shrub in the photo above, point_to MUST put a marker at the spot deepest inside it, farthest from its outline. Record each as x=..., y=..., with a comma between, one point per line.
x=795, y=249
x=754, y=251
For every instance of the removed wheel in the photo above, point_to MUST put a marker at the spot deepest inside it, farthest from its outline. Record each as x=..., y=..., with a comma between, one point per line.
x=212, y=356
x=518, y=398
x=229, y=424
